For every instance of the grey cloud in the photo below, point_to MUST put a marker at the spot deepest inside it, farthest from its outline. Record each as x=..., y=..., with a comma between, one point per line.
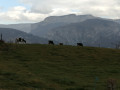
x=48, y=6
x=39, y=9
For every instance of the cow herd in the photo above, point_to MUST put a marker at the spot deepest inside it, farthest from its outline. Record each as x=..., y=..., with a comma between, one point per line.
x=23, y=41
x=50, y=42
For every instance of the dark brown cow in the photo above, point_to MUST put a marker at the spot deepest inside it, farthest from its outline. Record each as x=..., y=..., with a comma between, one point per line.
x=50, y=42
x=1, y=41
x=60, y=43
x=79, y=44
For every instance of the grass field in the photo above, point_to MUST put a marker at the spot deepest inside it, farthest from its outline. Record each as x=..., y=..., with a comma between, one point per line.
x=47, y=67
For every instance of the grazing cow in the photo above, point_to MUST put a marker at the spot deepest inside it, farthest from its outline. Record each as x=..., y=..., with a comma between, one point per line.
x=50, y=42
x=79, y=44
x=20, y=40
x=60, y=43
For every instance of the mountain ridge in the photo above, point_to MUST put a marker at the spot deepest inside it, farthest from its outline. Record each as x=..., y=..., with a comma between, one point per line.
x=41, y=28
x=11, y=34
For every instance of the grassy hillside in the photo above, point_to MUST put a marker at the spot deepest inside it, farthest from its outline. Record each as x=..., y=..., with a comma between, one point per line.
x=47, y=67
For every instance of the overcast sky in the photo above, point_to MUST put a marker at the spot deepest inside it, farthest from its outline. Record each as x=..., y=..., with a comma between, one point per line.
x=25, y=11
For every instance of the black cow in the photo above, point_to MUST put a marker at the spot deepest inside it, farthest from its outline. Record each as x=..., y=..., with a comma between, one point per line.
x=60, y=43
x=79, y=44
x=50, y=42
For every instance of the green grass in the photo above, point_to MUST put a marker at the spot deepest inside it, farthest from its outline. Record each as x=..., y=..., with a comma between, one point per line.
x=47, y=67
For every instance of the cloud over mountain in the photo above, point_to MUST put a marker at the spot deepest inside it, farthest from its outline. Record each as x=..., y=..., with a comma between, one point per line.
x=40, y=9
x=106, y=8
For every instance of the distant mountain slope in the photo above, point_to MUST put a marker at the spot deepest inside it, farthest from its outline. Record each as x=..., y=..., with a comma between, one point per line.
x=92, y=32
x=42, y=28
x=117, y=20
x=12, y=34
x=22, y=27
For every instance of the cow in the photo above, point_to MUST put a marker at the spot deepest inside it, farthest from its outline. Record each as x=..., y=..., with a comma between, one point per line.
x=20, y=40
x=51, y=42
x=60, y=43
x=79, y=44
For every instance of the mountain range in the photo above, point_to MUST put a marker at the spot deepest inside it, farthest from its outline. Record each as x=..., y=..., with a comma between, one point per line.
x=42, y=28
x=71, y=29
